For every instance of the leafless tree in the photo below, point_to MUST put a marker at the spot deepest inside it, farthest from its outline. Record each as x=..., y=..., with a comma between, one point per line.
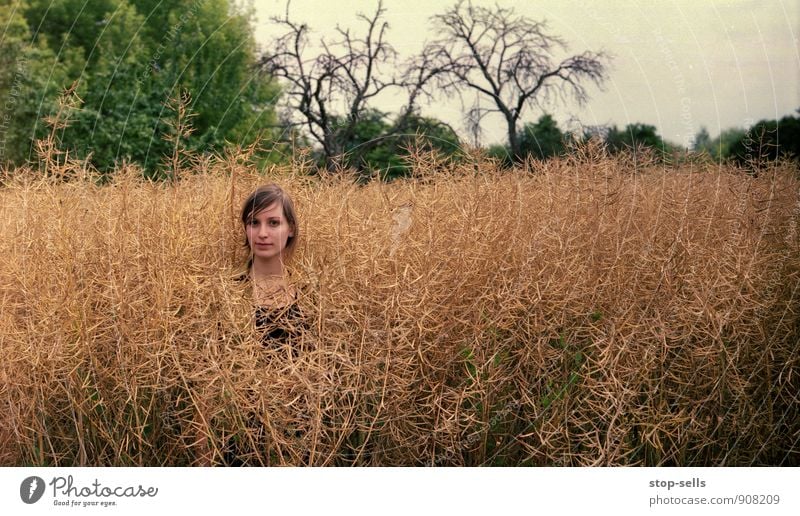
x=508, y=58
x=330, y=87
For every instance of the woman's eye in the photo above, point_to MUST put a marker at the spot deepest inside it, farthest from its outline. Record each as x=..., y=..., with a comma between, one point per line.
x=274, y=223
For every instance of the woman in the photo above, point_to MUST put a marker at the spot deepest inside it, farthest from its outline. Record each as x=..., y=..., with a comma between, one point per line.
x=271, y=234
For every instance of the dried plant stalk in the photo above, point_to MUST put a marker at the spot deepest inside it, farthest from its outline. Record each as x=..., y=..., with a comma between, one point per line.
x=583, y=311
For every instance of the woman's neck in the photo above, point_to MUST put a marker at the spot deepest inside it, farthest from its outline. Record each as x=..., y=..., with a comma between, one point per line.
x=267, y=270
x=270, y=285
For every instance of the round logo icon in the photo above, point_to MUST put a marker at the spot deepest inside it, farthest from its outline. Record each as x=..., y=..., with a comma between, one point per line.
x=31, y=489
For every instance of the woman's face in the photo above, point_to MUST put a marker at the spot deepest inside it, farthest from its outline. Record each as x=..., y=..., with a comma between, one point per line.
x=267, y=231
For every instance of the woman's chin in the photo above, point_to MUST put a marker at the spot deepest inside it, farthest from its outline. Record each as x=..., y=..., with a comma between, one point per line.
x=265, y=254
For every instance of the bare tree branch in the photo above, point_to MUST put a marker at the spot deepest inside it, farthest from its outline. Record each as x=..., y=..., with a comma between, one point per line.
x=332, y=90
x=508, y=58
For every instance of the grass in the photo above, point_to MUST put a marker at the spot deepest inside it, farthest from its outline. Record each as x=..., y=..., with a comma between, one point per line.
x=590, y=310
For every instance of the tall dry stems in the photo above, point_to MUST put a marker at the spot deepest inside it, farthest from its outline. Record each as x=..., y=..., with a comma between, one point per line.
x=583, y=311
x=54, y=162
x=179, y=130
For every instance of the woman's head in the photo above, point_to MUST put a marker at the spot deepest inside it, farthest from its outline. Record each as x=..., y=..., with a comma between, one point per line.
x=270, y=223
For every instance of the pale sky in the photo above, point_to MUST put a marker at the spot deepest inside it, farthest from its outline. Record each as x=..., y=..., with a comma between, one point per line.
x=678, y=64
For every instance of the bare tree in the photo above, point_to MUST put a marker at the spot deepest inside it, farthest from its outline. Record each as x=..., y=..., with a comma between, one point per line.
x=508, y=58
x=330, y=88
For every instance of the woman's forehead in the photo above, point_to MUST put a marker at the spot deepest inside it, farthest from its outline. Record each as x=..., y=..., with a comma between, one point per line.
x=273, y=210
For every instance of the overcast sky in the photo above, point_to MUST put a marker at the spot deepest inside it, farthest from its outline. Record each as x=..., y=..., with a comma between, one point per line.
x=677, y=64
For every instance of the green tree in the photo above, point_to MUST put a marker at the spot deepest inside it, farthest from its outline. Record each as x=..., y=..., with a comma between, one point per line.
x=30, y=79
x=69, y=24
x=131, y=56
x=719, y=147
x=702, y=141
x=214, y=57
x=500, y=153
x=634, y=136
x=542, y=139
x=767, y=140
x=116, y=120
x=377, y=145
x=414, y=132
